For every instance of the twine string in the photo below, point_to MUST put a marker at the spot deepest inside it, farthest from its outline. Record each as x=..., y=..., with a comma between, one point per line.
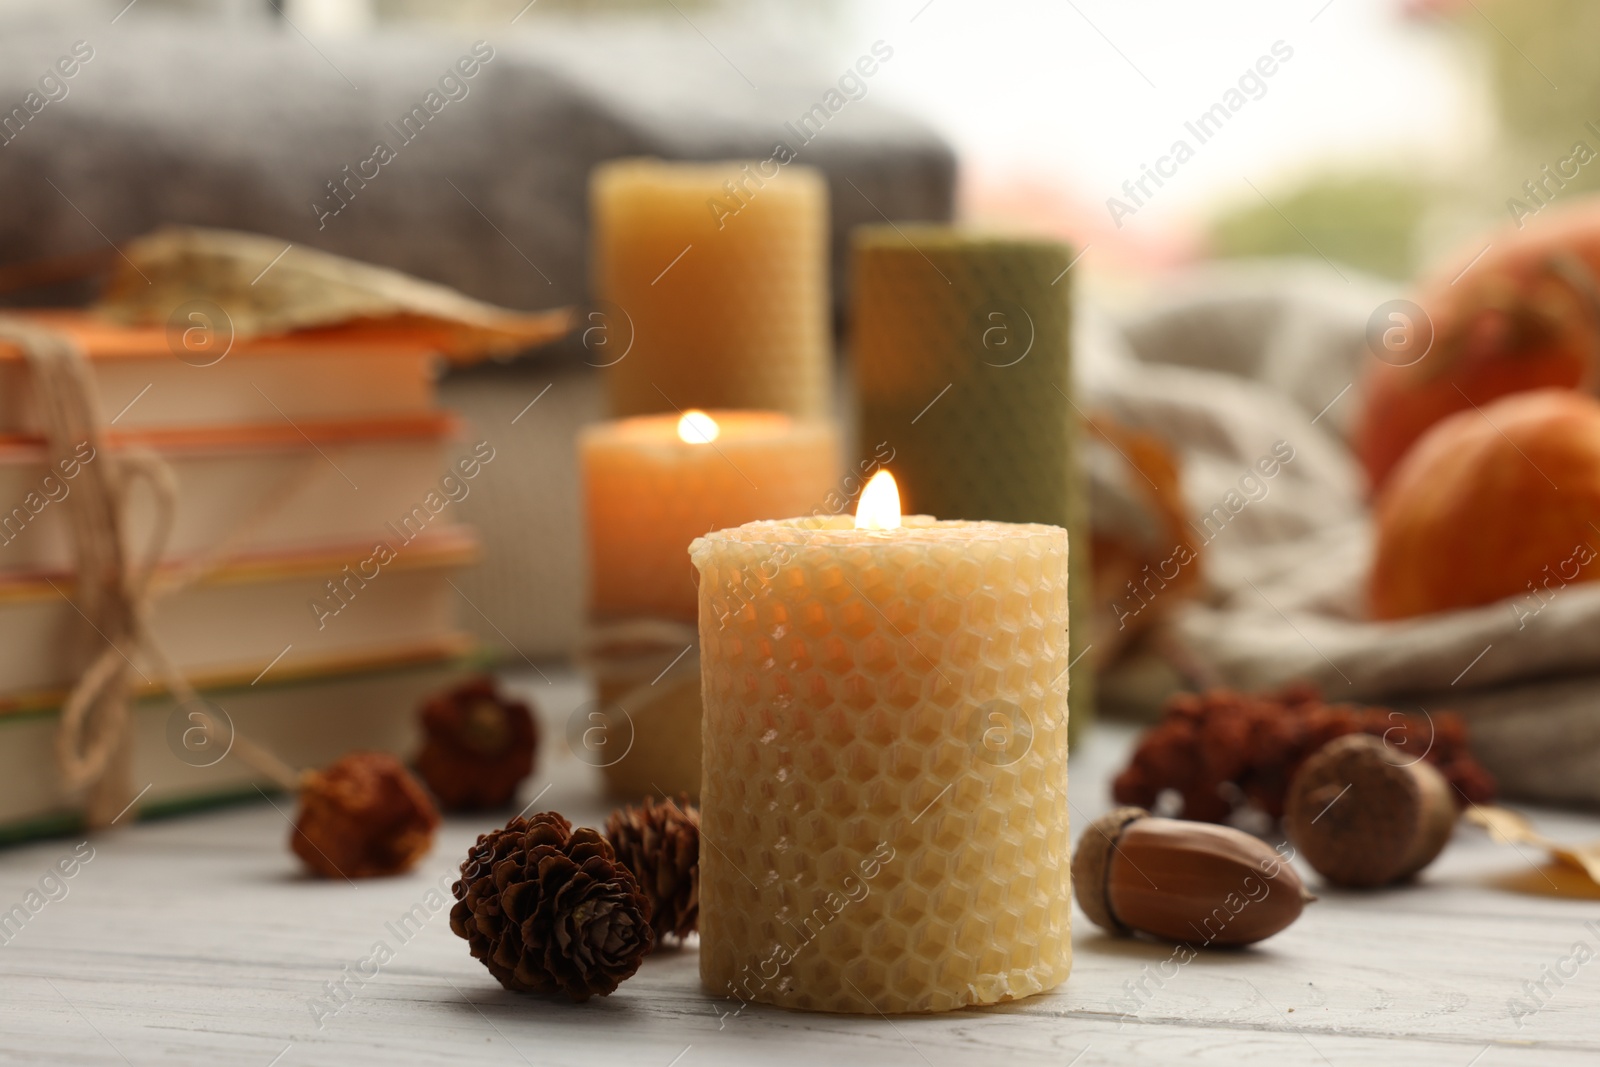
x=93, y=743
x=656, y=655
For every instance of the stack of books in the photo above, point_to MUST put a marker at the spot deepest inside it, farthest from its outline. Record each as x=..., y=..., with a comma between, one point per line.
x=307, y=581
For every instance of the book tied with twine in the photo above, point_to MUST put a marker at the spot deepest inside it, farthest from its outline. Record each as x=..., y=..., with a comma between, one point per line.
x=178, y=584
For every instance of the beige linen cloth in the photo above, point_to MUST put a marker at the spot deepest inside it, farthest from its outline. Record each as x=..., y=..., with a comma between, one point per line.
x=1233, y=361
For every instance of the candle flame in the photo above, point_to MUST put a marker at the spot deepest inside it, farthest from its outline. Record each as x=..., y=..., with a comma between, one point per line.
x=697, y=428
x=879, y=506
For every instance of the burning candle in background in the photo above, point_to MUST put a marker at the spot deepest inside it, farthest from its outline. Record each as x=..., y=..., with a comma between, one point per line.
x=651, y=485
x=962, y=349
x=717, y=274
x=885, y=747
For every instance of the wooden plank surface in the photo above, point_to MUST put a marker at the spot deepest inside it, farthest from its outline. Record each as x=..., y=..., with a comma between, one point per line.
x=197, y=941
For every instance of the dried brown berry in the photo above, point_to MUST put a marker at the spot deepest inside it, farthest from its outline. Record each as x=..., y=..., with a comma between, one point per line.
x=1183, y=881
x=361, y=817
x=1363, y=813
x=478, y=746
x=1219, y=749
x=549, y=909
x=659, y=842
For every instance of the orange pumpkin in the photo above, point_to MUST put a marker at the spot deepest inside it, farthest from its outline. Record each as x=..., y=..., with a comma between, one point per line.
x=1502, y=501
x=1519, y=316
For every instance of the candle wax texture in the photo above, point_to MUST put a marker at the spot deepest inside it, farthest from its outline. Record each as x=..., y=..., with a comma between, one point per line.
x=647, y=494
x=660, y=739
x=884, y=801
x=963, y=356
x=713, y=278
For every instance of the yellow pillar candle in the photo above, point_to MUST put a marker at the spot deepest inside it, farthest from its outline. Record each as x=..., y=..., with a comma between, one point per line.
x=715, y=282
x=884, y=797
x=651, y=485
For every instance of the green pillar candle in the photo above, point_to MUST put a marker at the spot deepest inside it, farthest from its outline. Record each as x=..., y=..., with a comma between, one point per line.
x=963, y=361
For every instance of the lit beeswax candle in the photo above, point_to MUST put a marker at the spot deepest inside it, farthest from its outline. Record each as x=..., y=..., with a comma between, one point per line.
x=651, y=485
x=884, y=798
x=720, y=270
x=963, y=361
x=654, y=483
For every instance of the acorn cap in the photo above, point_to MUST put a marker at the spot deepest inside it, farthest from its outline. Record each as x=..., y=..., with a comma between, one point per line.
x=1091, y=867
x=1364, y=814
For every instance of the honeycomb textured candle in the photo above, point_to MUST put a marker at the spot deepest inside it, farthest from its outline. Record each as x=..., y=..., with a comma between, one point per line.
x=885, y=764
x=717, y=275
x=962, y=348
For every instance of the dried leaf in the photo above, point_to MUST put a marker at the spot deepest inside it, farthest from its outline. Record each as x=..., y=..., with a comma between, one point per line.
x=267, y=286
x=1510, y=828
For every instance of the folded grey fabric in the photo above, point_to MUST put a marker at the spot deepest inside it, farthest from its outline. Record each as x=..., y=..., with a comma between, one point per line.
x=1246, y=362
x=457, y=154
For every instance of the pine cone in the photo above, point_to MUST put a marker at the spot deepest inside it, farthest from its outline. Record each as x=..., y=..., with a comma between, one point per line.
x=548, y=909
x=361, y=817
x=660, y=844
x=479, y=746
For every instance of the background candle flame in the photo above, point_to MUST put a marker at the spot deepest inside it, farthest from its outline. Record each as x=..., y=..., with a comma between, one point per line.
x=697, y=428
x=879, y=506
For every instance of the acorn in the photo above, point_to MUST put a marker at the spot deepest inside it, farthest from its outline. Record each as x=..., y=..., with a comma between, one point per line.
x=1364, y=814
x=1190, y=882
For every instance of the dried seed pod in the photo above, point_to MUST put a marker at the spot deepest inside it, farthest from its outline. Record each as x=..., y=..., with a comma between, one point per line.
x=1364, y=814
x=478, y=746
x=363, y=816
x=1183, y=881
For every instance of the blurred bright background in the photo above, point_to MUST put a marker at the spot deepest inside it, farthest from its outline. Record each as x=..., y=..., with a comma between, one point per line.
x=1396, y=128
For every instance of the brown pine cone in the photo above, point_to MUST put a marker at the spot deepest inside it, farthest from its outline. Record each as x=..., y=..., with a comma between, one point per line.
x=361, y=817
x=660, y=844
x=479, y=745
x=548, y=909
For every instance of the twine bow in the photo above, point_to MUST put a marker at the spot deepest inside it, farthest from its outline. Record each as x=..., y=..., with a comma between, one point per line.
x=115, y=594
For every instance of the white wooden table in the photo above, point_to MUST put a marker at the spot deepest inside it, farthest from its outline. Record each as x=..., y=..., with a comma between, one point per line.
x=197, y=941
